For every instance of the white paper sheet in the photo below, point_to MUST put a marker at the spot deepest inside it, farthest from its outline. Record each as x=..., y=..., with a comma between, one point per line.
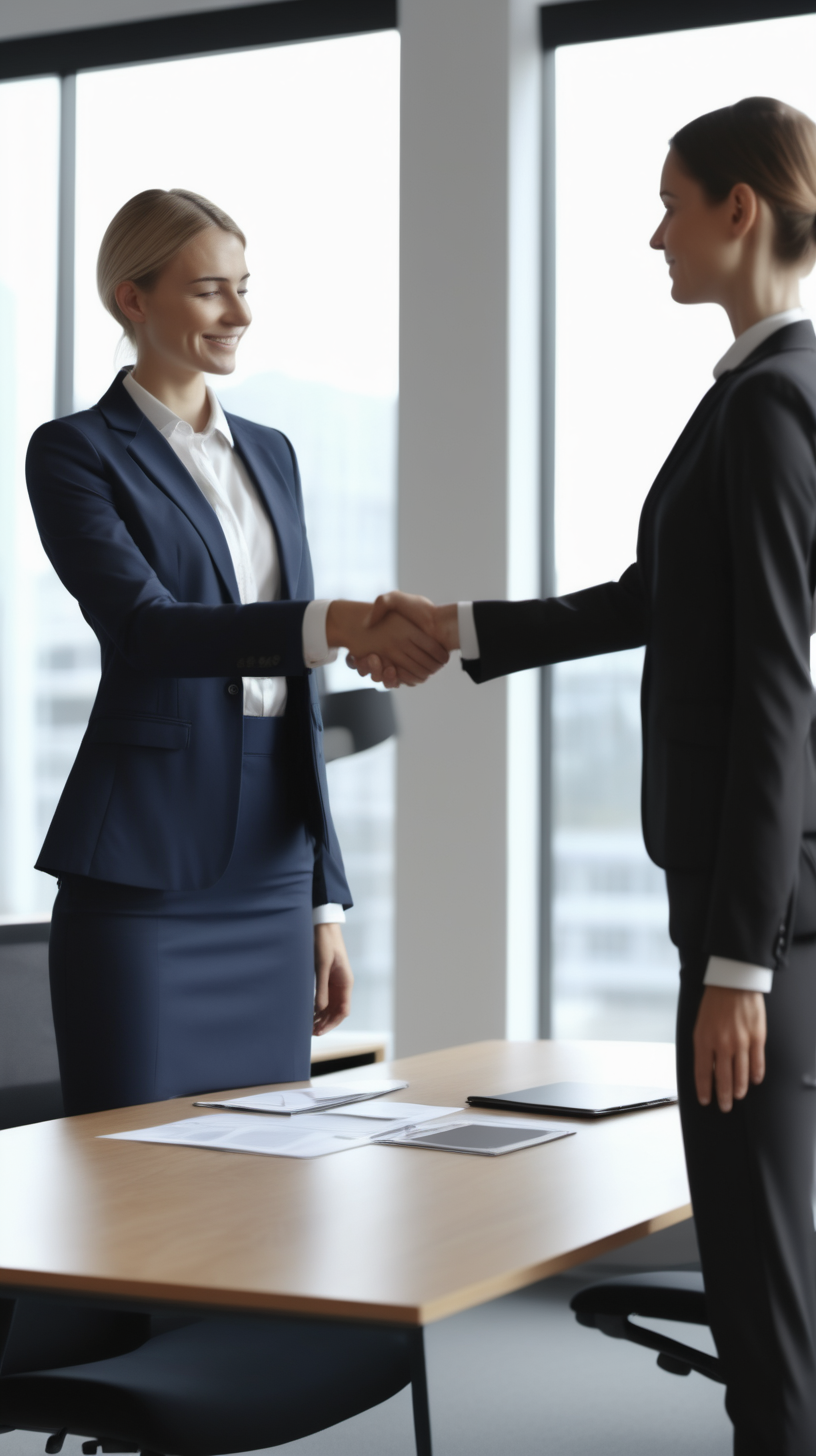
x=306, y=1099
x=402, y=1112
x=311, y=1137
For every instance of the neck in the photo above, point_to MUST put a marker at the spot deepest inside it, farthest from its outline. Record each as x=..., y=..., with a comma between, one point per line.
x=183, y=393
x=760, y=300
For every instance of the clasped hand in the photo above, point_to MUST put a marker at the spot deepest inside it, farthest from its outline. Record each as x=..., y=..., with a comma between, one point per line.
x=399, y=641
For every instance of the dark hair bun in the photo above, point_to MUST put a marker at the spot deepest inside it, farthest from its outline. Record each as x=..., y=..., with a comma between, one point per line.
x=769, y=146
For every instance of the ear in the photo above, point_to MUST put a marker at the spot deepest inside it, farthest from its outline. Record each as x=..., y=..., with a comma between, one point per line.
x=128, y=298
x=743, y=209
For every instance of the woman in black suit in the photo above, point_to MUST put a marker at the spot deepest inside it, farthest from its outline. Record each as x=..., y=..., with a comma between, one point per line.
x=721, y=595
x=196, y=940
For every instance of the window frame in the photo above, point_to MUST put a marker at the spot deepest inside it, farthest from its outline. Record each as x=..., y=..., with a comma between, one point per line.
x=243, y=27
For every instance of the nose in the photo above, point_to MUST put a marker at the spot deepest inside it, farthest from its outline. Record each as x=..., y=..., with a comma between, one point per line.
x=238, y=311
x=656, y=240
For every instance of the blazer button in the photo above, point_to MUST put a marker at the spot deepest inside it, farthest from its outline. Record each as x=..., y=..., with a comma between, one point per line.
x=234, y=689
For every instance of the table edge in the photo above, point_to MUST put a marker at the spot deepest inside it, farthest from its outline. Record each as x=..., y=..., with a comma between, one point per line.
x=258, y=1302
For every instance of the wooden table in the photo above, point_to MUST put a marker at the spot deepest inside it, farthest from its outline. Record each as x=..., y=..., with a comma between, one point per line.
x=395, y=1234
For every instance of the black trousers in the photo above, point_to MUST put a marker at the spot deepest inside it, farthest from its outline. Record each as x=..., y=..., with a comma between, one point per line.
x=751, y=1178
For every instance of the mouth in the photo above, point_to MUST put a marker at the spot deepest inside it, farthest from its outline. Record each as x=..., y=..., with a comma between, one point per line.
x=223, y=341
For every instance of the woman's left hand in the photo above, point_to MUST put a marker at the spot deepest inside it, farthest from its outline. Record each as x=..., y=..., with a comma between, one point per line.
x=729, y=1044
x=333, y=978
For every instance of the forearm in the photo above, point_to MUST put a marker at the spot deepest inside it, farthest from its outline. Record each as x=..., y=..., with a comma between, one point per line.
x=515, y=636
x=175, y=639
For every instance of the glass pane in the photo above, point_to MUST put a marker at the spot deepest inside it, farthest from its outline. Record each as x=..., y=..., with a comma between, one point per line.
x=304, y=154
x=31, y=740
x=642, y=363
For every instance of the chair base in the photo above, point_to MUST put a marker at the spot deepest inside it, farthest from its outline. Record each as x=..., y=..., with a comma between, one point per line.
x=666, y=1295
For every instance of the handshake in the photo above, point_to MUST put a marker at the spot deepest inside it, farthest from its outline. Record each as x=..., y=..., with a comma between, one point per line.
x=399, y=641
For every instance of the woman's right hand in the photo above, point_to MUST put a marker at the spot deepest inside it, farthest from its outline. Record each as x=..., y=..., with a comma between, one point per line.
x=381, y=634
x=441, y=624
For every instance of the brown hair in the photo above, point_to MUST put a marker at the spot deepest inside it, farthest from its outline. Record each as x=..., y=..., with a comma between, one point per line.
x=769, y=146
x=145, y=234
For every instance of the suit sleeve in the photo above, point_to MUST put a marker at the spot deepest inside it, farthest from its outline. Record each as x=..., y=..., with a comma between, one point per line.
x=514, y=636
x=770, y=481
x=99, y=562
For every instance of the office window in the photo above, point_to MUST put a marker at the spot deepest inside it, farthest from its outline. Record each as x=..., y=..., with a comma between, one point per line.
x=32, y=730
x=640, y=363
x=300, y=144
x=304, y=154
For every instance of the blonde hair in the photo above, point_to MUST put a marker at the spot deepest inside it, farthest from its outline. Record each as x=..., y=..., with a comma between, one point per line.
x=145, y=234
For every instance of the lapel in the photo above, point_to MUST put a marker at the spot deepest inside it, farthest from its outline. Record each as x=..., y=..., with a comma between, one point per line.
x=148, y=447
x=796, y=336
x=276, y=496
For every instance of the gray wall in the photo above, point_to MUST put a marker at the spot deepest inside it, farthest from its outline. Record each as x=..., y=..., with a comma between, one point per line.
x=468, y=478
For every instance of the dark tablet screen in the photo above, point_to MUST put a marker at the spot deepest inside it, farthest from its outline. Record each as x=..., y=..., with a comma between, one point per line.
x=476, y=1138
x=587, y=1099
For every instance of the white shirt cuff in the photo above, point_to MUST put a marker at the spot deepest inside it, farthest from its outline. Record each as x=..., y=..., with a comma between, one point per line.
x=737, y=975
x=316, y=650
x=468, y=636
x=328, y=915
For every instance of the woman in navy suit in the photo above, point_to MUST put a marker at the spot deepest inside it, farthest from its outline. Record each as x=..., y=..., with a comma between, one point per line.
x=201, y=885
x=721, y=595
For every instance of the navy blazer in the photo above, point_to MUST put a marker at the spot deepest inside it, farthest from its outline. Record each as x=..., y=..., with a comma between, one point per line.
x=720, y=595
x=152, y=799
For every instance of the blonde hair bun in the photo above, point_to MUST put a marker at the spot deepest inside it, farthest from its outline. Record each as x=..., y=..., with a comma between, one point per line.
x=145, y=234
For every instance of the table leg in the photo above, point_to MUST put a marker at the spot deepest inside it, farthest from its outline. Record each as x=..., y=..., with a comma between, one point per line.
x=419, y=1393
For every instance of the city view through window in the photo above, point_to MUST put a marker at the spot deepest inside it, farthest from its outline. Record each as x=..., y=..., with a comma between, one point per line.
x=638, y=363
x=305, y=156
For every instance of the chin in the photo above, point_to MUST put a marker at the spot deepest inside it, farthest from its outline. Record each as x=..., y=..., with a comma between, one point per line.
x=220, y=366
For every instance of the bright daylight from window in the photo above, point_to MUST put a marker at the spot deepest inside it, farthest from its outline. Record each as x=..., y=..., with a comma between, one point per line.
x=642, y=363
x=304, y=155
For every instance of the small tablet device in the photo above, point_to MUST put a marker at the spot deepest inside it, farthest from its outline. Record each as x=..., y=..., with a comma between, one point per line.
x=478, y=1136
x=579, y=1099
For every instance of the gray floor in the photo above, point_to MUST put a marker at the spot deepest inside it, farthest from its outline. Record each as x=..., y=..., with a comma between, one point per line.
x=520, y=1377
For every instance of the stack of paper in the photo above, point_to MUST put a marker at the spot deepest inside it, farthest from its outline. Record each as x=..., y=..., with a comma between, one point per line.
x=308, y=1137
x=306, y=1099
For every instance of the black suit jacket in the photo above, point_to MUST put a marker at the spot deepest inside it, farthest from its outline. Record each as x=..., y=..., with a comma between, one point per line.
x=720, y=595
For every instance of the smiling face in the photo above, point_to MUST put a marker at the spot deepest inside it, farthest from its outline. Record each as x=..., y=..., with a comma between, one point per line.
x=696, y=236
x=193, y=318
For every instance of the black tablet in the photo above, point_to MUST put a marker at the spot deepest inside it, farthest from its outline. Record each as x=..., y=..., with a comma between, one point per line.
x=579, y=1099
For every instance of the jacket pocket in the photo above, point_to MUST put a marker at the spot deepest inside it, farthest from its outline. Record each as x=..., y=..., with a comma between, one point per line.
x=169, y=733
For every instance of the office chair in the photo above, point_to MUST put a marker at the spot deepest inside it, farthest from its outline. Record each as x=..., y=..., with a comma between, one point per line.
x=207, y=1387
x=666, y=1295
x=29, y=1070
x=356, y=720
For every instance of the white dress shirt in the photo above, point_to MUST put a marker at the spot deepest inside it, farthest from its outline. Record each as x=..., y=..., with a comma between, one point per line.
x=216, y=467
x=721, y=971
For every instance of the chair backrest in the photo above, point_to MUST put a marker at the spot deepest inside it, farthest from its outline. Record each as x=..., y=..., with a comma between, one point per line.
x=29, y=1069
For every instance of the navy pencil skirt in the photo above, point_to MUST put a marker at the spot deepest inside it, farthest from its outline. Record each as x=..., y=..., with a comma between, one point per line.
x=166, y=994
